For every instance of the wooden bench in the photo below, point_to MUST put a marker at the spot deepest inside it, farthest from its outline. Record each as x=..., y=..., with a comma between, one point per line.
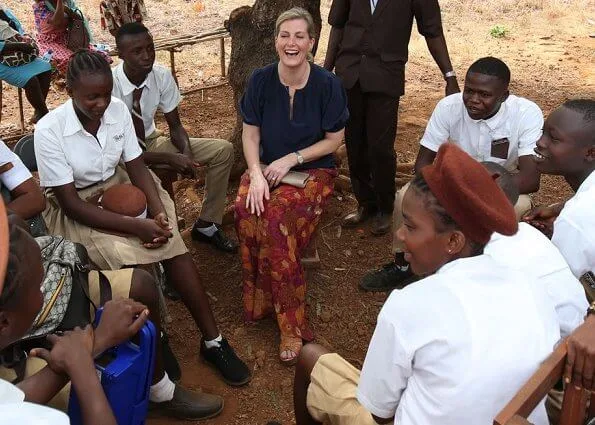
x=574, y=407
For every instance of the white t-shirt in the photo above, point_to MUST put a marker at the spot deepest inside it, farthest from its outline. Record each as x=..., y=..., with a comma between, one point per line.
x=519, y=120
x=574, y=229
x=446, y=348
x=159, y=91
x=67, y=153
x=18, y=174
x=530, y=251
x=14, y=410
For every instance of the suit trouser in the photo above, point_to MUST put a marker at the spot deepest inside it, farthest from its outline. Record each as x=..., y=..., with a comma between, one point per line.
x=217, y=155
x=522, y=205
x=370, y=140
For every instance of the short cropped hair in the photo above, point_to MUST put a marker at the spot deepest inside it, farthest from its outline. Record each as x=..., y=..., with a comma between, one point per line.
x=130, y=28
x=296, y=13
x=504, y=180
x=586, y=107
x=491, y=66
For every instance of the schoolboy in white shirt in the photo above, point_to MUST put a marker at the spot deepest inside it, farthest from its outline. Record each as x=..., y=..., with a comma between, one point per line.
x=490, y=125
x=529, y=251
x=145, y=87
x=26, y=199
x=567, y=148
x=445, y=349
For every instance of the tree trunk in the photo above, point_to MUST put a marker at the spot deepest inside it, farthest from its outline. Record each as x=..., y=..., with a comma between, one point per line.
x=253, y=46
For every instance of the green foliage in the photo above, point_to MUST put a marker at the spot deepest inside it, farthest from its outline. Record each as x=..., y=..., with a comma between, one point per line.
x=499, y=31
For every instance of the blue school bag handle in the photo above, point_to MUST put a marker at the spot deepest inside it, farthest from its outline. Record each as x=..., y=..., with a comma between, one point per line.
x=125, y=372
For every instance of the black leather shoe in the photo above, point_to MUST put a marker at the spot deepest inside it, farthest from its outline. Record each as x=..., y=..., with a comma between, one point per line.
x=381, y=223
x=232, y=369
x=170, y=362
x=358, y=217
x=388, y=277
x=219, y=240
x=189, y=405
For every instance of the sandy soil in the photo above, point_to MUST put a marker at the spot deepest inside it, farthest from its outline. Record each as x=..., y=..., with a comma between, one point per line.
x=551, y=57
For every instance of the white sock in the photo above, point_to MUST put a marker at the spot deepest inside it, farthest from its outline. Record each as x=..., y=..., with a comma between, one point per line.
x=208, y=231
x=162, y=390
x=214, y=342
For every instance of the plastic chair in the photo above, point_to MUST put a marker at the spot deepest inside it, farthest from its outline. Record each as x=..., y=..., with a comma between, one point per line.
x=25, y=150
x=125, y=373
x=574, y=407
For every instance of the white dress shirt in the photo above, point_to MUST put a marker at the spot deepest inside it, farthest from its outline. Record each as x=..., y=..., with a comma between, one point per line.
x=67, y=153
x=574, y=229
x=519, y=120
x=15, y=410
x=530, y=251
x=159, y=91
x=18, y=174
x=455, y=347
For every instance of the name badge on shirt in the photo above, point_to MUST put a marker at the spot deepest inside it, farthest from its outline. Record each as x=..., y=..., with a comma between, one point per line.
x=5, y=167
x=118, y=137
x=500, y=148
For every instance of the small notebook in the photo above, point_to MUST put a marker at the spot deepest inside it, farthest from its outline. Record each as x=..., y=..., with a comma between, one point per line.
x=293, y=178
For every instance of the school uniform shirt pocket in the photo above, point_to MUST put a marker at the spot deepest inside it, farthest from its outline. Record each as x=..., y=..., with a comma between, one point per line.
x=499, y=148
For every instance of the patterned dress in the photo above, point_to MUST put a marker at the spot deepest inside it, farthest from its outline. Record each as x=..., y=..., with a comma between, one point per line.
x=54, y=39
x=115, y=13
x=271, y=244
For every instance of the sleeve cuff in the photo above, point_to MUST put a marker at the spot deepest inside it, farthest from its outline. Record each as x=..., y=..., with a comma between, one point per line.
x=133, y=156
x=16, y=179
x=54, y=183
x=430, y=145
x=370, y=407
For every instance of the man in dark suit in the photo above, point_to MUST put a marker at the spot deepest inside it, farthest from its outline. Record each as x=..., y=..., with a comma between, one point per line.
x=368, y=48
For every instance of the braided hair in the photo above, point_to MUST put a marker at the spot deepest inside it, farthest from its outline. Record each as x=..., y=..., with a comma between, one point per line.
x=442, y=220
x=85, y=61
x=15, y=269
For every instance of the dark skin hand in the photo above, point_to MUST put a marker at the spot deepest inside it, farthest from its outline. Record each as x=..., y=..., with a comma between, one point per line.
x=439, y=51
x=543, y=217
x=580, y=361
x=71, y=354
x=425, y=157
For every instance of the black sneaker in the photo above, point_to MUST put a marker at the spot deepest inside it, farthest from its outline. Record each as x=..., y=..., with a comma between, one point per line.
x=219, y=239
x=170, y=362
x=388, y=277
x=232, y=369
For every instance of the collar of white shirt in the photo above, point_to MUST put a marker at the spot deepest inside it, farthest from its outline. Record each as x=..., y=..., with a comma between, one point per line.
x=72, y=124
x=126, y=86
x=493, y=122
x=587, y=184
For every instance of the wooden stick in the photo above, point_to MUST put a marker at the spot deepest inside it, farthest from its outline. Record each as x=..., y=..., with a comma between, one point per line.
x=194, y=90
x=222, y=54
x=21, y=112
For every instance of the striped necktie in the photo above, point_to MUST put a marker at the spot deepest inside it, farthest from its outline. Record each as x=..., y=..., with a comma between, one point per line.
x=137, y=117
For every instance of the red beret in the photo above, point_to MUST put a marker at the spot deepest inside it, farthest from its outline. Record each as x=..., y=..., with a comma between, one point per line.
x=469, y=195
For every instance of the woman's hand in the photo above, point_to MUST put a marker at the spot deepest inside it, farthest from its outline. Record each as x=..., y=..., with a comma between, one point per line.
x=276, y=170
x=258, y=191
x=151, y=233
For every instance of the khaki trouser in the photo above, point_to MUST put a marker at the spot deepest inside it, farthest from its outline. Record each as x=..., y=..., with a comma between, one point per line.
x=521, y=207
x=217, y=155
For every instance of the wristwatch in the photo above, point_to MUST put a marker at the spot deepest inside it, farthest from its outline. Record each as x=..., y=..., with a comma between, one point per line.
x=449, y=74
x=300, y=158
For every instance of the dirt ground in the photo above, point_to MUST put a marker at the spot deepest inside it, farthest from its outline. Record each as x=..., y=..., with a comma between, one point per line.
x=551, y=55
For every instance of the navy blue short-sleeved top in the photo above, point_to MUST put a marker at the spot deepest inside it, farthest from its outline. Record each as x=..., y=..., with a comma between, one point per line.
x=319, y=107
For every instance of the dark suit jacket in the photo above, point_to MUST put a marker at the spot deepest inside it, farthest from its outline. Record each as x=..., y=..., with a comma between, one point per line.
x=374, y=48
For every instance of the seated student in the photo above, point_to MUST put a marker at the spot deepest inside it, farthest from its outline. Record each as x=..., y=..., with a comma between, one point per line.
x=529, y=251
x=489, y=124
x=445, y=349
x=165, y=396
x=79, y=146
x=567, y=148
x=145, y=87
x=71, y=357
x=26, y=198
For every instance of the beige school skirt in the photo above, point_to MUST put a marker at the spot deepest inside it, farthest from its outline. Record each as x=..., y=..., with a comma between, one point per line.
x=109, y=251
